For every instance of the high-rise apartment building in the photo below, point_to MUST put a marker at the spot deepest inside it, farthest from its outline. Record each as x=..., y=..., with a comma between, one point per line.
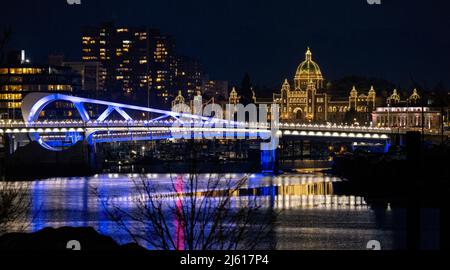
x=139, y=62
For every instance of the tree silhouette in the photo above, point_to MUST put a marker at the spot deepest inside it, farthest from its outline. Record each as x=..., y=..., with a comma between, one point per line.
x=215, y=213
x=15, y=204
x=246, y=90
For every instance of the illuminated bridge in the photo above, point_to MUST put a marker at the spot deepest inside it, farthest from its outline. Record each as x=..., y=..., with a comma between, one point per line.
x=61, y=134
x=55, y=135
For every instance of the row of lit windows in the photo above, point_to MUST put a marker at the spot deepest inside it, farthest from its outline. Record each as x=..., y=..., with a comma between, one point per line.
x=20, y=88
x=89, y=58
x=10, y=96
x=89, y=42
x=331, y=109
x=21, y=70
x=11, y=88
x=11, y=105
x=59, y=87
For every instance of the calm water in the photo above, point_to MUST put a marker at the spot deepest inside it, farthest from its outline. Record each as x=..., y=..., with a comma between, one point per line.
x=311, y=215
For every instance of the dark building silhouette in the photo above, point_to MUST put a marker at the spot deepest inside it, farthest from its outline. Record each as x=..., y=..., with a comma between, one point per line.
x=189, y=76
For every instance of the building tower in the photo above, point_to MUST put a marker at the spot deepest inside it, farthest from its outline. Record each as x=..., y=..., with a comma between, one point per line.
x=285, y=92
x=414, y=98
x=371, y=99
x=394, y=98
x=234, y=98
x=353, y=99
x=178, y=102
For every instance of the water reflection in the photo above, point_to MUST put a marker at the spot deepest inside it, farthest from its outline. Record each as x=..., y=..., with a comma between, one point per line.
x=313, y=216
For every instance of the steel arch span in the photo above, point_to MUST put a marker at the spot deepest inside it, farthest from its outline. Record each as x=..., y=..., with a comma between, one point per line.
x=34, y=103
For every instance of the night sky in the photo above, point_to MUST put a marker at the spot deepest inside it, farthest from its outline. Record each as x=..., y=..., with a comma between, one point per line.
x=397, y=40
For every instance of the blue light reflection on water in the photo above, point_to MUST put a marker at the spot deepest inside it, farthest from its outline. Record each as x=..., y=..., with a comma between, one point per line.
x=72, y=202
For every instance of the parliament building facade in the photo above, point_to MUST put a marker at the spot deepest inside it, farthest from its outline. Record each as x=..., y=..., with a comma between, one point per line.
x=306, y=100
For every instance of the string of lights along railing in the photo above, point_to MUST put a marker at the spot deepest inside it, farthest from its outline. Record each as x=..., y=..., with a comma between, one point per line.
x=166, y=124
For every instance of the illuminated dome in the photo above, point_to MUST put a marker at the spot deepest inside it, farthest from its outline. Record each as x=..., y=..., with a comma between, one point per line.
x=308, y=71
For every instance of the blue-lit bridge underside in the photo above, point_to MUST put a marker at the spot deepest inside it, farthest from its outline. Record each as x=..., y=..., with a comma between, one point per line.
x=54, y=134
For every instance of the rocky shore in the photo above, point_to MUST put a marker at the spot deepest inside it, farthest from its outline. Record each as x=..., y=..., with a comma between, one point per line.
x=86, y=239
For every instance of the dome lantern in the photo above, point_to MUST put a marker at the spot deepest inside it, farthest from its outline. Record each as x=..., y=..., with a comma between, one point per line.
x=307, y=71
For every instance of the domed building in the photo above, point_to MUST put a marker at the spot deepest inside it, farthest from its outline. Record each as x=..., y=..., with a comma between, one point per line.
x=306, y=100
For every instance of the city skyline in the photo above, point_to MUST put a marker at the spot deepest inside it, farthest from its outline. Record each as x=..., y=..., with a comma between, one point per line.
x=129, y=127
x=381, y=44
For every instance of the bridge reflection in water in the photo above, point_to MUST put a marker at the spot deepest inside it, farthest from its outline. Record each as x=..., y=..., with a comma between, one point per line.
x=281, y=192
x=306, y=198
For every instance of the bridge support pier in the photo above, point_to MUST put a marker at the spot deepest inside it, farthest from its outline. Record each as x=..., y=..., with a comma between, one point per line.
x=269, y=161
x=91, y=157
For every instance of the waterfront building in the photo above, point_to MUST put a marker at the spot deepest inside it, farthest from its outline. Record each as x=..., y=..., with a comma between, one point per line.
x=406, y=113
x=20, y=77
x=407, y=117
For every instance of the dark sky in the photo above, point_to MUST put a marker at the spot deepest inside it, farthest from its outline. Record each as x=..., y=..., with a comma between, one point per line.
x=397, y=40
